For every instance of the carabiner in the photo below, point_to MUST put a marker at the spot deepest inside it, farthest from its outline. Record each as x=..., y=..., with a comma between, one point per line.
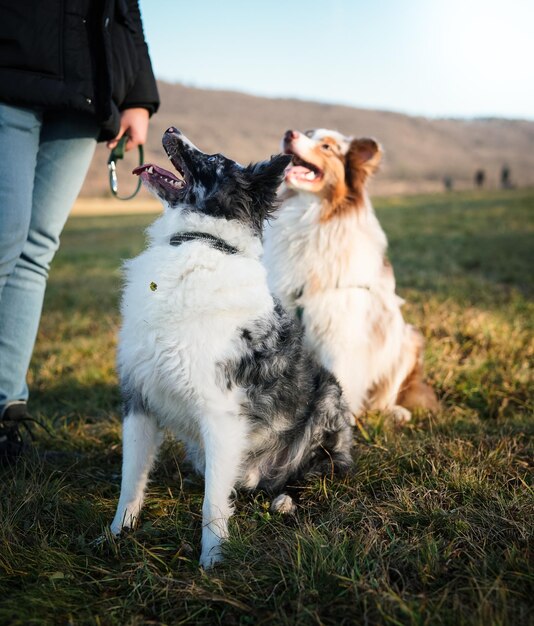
x=116, y=154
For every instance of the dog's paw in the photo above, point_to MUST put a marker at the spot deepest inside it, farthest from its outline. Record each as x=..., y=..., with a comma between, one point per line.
x=400, y=415
x=120, y=529
x=283, y=504
x=210, y=558
x=107, y=537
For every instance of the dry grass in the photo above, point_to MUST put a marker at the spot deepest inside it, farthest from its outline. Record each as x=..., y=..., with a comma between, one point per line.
x=433, y=525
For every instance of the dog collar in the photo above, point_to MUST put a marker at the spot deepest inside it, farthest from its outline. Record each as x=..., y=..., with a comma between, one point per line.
x=215, y=242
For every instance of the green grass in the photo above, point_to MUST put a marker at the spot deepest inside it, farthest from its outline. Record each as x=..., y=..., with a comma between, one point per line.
x=433, y=525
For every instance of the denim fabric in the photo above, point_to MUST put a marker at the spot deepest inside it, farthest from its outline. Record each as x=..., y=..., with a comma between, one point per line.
x=44, y=158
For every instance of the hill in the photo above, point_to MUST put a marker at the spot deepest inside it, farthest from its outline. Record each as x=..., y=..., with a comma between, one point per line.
x=419, y=152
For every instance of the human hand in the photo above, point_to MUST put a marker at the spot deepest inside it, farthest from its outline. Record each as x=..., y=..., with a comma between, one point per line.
x=134, y=122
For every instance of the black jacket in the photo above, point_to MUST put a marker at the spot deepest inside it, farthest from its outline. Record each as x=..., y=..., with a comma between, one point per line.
x=85, y=55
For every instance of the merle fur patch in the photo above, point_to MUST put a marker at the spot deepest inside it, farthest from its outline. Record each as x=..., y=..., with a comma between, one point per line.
x=294, y=404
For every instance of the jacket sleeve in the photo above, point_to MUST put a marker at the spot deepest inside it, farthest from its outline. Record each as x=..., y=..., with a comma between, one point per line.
x=144, y=92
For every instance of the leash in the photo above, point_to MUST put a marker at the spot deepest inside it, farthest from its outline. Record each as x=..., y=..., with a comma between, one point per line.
x=116, y=154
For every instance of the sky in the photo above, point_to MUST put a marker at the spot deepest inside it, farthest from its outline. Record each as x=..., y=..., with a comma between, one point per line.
x=438, y=58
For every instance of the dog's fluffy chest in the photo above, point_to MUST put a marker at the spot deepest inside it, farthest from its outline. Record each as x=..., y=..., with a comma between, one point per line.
x=183, y=311
x=304, y=254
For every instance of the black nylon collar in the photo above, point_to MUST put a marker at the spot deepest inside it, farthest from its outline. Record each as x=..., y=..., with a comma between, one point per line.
x=215, y=242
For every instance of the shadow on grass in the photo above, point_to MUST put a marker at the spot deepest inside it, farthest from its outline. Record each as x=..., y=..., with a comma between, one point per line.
x=93, y=292
x=487, y=272
x=471, y=248
x=69, y=399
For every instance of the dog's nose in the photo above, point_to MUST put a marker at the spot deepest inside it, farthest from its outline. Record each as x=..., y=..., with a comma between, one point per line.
x=290, y=135
x=172, y=131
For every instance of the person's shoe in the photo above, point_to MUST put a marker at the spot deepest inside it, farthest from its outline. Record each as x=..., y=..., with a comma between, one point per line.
x=12, y=443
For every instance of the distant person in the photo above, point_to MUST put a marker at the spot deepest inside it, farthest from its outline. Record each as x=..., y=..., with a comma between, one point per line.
x=448, y=183
x=70, y=75
x=506, y=181
x=480, y=178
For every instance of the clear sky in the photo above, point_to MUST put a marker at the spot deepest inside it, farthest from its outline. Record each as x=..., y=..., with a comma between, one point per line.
x=451, y=58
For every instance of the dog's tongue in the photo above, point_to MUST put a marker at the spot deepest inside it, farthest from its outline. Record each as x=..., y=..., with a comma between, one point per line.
x=150, y=168
x=301, y=171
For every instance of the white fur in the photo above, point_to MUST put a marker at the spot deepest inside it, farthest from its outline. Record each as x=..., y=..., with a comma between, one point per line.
x=340, y=263
x=172, y=338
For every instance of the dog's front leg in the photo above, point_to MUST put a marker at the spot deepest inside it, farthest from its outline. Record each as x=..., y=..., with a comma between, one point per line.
x=141, y=438
x=225, y=439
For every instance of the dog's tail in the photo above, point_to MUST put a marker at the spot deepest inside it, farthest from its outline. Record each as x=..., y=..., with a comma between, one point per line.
x=414, y=392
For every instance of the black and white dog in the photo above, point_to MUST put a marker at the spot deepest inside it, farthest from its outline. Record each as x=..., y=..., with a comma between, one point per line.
x=207, y=353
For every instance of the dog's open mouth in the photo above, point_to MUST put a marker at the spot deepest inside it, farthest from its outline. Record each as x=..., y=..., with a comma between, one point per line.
x=303, y=170
x=168, y=185
x=159, y=177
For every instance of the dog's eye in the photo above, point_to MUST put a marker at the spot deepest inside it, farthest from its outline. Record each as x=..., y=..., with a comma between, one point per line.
x=212, y=158
x=325, y=146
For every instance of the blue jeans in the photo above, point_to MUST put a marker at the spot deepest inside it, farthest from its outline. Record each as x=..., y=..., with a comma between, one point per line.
x=44, y=158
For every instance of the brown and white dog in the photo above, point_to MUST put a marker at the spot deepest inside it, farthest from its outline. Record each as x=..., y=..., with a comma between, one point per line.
x=326, y=259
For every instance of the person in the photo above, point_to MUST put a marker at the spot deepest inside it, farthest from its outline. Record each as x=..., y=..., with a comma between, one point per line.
x=506, y=181
x=72, y=72
x=480, y=177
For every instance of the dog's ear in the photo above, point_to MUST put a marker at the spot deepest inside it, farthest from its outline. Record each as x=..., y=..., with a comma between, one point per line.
x=265, y=178
x=362, y=160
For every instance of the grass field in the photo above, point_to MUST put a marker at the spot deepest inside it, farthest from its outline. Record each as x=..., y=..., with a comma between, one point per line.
x=433, y=526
